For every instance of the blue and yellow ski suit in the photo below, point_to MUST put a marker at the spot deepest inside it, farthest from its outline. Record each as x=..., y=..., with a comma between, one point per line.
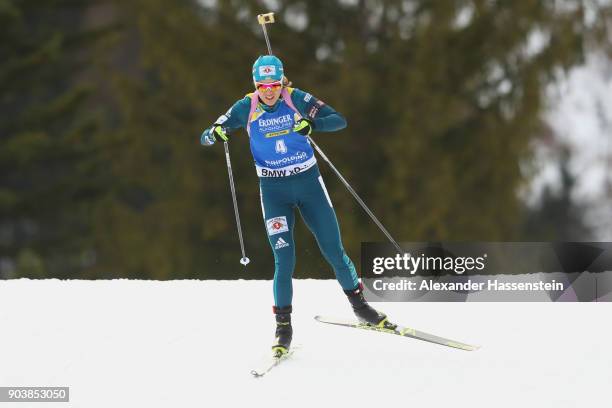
x=289, y=178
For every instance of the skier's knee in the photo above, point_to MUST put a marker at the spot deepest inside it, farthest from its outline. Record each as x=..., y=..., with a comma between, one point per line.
x=284, y=270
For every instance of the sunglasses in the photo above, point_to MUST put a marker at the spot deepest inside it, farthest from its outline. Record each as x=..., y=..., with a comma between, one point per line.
x=273, y=86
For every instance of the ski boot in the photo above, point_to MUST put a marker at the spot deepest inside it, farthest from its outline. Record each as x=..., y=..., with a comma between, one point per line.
x=284, y=331
x=366, y=313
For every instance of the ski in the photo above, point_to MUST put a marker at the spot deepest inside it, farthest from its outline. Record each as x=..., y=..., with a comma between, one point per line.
x=399, y=331
x=272, y=362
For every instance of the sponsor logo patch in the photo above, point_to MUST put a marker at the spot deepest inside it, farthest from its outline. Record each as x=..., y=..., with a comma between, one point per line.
x=313, y=112
x=223, y=118
x=275, y=123
x=307, y=97
x=281, y=243
x=274, y=134
x=267, y=70
x=277, y=225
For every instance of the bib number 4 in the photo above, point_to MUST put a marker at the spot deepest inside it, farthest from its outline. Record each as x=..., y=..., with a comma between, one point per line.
x=281, y=148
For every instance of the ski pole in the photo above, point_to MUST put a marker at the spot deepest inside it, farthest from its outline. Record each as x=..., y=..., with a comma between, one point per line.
x=244, y=260
x=359, y=200
x=264, y=19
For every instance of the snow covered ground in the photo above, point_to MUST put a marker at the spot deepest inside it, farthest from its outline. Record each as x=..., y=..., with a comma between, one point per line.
x=192, y=344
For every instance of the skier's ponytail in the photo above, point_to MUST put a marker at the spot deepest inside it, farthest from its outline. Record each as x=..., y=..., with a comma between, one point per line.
x=286, y=81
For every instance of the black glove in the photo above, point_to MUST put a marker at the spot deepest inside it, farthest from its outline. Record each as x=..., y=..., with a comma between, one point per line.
x=218, y=132
x=210, y=135
x=303, y=127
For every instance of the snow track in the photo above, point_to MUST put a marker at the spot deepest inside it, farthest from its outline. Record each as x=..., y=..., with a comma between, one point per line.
x=193, y=343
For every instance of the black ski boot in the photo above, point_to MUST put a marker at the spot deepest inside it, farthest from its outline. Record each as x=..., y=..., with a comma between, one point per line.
x=364, y=312
x=284, y=331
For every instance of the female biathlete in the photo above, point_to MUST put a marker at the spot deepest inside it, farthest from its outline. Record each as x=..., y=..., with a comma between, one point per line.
x=277, y=119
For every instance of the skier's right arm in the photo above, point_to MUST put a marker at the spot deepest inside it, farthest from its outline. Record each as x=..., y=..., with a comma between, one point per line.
x=236, y=117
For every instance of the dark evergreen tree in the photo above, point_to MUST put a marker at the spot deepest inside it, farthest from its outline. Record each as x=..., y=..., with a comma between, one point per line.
x=49, y=172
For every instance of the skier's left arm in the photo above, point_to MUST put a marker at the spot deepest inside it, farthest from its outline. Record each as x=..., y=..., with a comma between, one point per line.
x=322, y=117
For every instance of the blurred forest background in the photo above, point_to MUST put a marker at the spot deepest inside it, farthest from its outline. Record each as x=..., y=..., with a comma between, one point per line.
x=103, y=102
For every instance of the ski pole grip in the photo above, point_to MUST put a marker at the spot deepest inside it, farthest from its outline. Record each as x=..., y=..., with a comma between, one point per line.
x=267, y=18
